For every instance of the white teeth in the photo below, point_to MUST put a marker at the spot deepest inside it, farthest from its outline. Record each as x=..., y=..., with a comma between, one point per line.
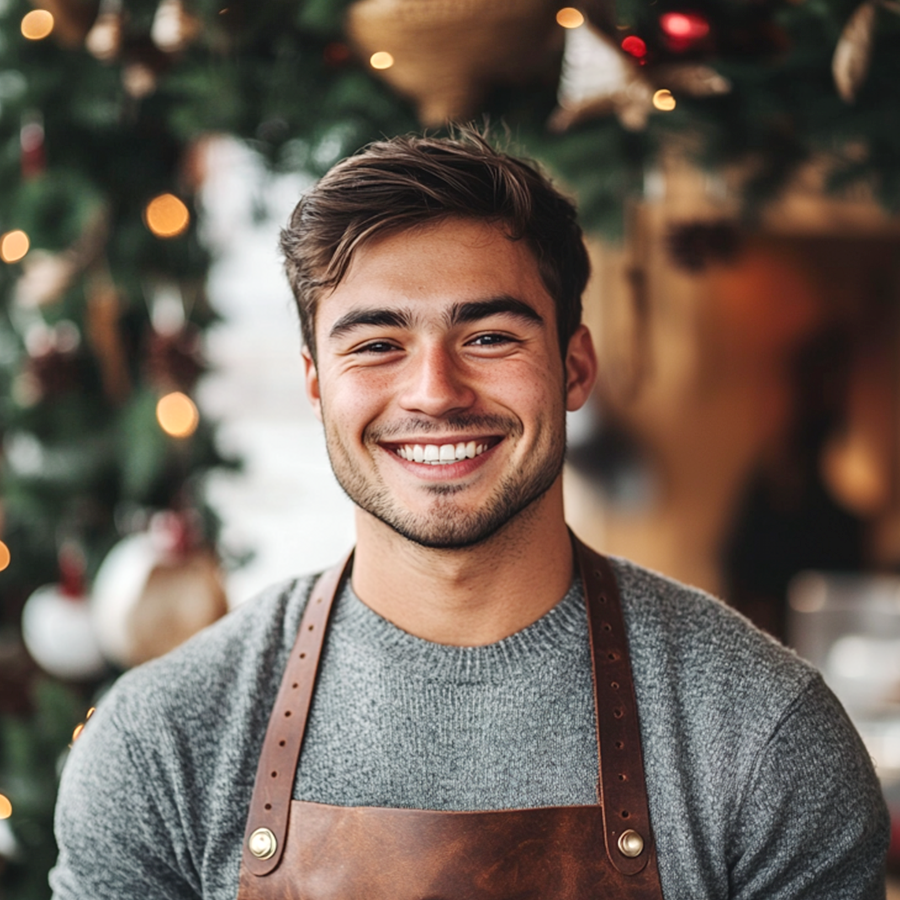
x=441, y=454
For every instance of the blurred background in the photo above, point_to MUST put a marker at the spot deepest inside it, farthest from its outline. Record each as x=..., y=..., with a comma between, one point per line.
x=737, y=164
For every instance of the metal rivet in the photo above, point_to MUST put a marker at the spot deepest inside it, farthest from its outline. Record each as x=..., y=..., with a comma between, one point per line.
x=631, y=844
x=262, y=843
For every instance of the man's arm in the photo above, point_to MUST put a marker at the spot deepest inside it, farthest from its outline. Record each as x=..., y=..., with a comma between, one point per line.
x=114, y=823
x=812, y=824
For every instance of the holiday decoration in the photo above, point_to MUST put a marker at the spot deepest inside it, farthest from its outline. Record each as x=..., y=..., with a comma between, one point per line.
x=597, y=81
x=153, y=591
x=446, y=56
x=57, y=627
x=853, y=53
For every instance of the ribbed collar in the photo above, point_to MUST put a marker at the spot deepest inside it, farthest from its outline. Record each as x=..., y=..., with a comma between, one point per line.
x=549, y=641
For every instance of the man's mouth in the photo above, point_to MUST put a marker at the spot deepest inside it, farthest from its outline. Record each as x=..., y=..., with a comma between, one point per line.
x=443, y=454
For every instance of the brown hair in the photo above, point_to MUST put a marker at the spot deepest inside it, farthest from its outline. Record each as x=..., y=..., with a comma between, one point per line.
x=396, y=184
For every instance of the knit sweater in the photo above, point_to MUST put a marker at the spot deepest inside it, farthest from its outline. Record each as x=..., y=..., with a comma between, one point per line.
x=758, y=785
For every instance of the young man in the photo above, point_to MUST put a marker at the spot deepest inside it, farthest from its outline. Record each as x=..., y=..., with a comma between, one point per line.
x=474, y=730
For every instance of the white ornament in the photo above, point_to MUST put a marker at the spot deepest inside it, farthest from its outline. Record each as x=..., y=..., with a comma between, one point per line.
x=59, y=634
x=148, y=598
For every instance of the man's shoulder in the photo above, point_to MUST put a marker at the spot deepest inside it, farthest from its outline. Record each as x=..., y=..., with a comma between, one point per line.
x=691, y=642
x=238, y=655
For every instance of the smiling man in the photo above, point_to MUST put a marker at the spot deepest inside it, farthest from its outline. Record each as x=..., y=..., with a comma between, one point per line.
x=474, y=704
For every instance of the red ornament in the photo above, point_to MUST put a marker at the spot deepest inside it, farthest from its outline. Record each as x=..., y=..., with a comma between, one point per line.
x=635, y=46
x=683, y=29
x=33, y=154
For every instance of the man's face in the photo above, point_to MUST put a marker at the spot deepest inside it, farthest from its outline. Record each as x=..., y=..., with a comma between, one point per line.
x=440, y=384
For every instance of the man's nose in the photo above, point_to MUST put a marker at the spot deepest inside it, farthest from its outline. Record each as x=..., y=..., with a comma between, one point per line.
x=436, y=383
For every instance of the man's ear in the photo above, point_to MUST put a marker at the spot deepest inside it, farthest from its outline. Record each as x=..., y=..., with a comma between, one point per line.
x=311, y=376
x=581, y=368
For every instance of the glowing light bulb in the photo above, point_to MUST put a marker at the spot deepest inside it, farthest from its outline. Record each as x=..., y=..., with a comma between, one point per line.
x=13, y=246
x=37, y=24
x=664, y=100
x=167, y=216
x=635, y=46
x=381, y=60
x=569, y=17
x=5, y=807
x=177, y=415
x=684, y=26
x=5, y=556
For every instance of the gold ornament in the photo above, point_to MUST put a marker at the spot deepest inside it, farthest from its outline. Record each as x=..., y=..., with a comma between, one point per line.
x=853, y=54
x=447, y=54
x=599, y=80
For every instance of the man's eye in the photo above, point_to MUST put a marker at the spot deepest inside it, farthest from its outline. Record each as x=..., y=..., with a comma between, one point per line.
x=491, y=340
x=377, y=347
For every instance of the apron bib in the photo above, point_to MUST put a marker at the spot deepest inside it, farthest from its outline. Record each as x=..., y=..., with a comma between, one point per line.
x=297, y=850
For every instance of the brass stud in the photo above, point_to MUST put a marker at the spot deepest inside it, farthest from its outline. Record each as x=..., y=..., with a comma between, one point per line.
x=262, y=843
x=631, y=844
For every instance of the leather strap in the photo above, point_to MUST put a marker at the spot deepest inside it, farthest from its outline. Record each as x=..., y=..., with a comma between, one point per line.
x=621, y=788
x=274, y=786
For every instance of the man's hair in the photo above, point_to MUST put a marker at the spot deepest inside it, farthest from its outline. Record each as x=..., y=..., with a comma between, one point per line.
x=397, y=184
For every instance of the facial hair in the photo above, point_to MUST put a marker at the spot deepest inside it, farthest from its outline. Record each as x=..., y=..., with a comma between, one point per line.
x=449, y=524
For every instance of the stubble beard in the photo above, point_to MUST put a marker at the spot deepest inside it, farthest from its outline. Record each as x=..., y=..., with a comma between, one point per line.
x=448, y=525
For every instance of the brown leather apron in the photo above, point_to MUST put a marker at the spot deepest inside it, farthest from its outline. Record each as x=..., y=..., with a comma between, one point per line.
x=296, y=850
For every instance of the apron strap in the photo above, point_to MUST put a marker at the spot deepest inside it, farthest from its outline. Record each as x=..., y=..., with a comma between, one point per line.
x=621, y=789
x=270, y=806
x=620, y=785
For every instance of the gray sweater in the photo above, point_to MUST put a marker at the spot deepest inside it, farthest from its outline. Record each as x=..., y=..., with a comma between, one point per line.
x=758, y=785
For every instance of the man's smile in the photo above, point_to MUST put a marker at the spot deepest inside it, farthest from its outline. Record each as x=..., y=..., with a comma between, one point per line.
x=442, y=454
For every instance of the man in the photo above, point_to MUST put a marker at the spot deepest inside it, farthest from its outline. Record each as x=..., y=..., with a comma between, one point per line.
x=473, y=652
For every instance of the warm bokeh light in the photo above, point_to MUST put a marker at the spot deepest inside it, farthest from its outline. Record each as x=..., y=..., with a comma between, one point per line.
x=635, y=46
x=5, y=556
x=569, y=17
x=689, y=26
x=177, y=415
x=381, y=60
x=167, y=216
x=37, y=24
x=77, y=732
x=5, y=807
x=13, y=246
x=664, y=100
x=89, y=713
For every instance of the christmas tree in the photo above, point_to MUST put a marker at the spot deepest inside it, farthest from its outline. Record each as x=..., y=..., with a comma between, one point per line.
x=104, y=105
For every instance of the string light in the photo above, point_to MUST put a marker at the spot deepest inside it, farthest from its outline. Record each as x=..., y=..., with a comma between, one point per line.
x=13, y=246
x=381, y=60
x=5, y=807
x=167, y=216
x=177, y=415
x=684, y=26
x=5, y=556
x=569, y=17
x=80, y=727
x=37, y=24
x=635, y=46
x=663, y=100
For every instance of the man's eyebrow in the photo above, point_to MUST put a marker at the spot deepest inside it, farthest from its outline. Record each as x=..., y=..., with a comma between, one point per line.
x=502, y=305
x=379, y=318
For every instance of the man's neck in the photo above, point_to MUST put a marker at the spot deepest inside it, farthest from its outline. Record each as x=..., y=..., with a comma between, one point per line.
x=471, y=596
